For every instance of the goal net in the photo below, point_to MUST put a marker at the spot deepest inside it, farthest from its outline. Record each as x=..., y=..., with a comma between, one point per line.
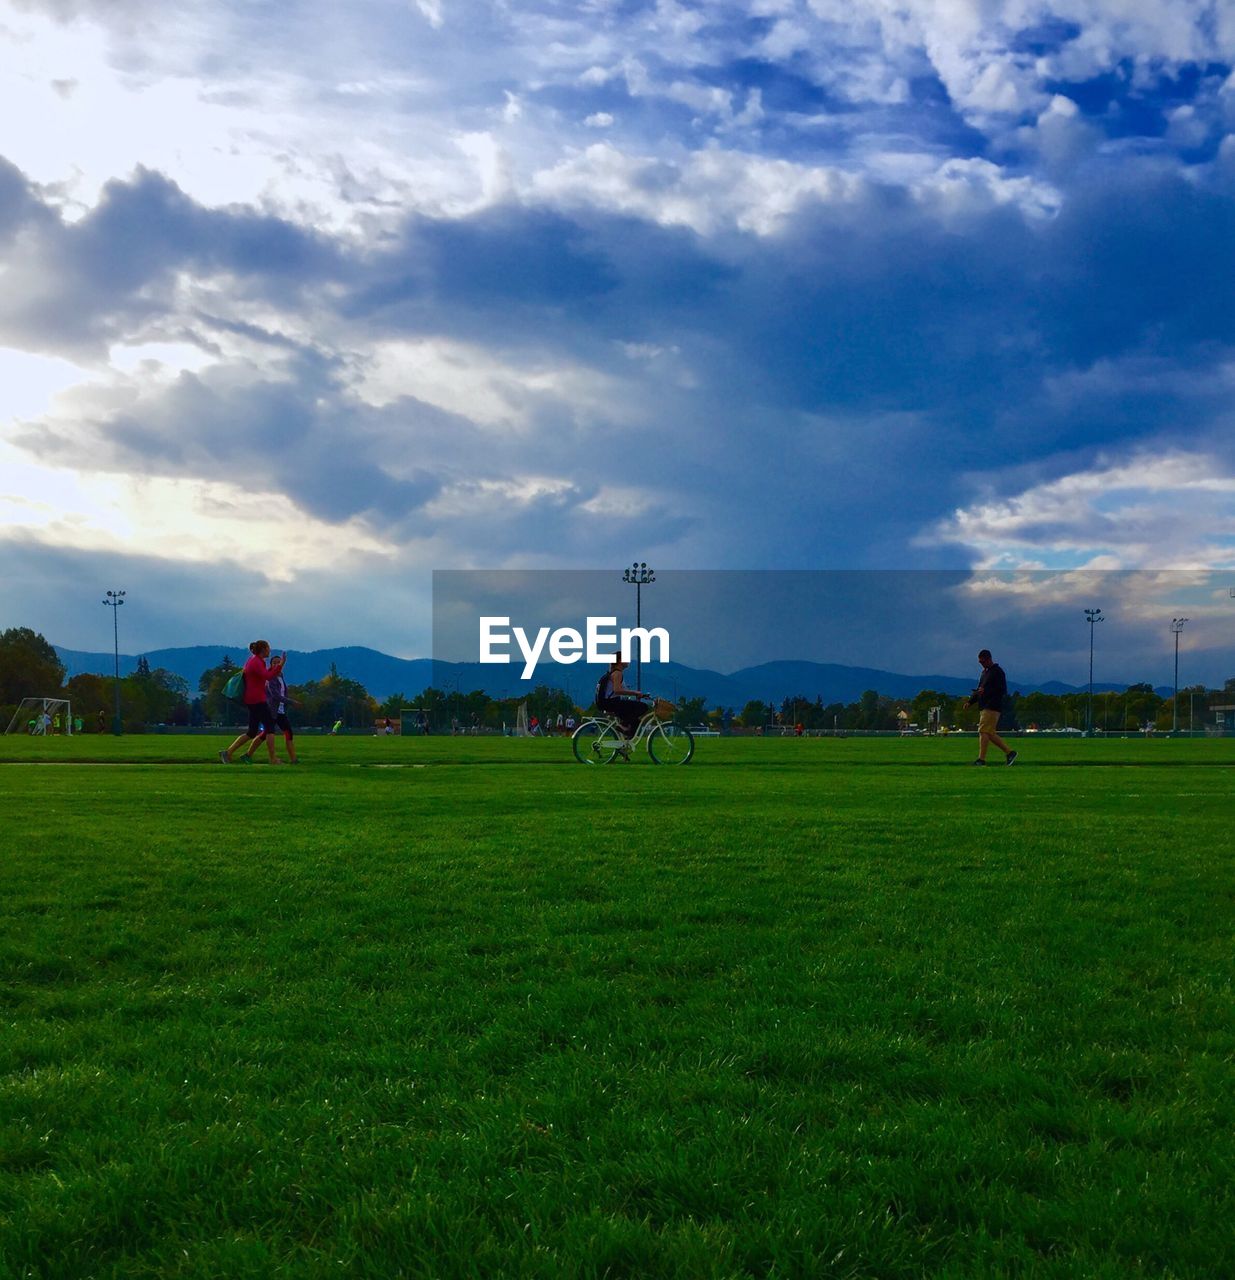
x=42, y=716
x=521, y=730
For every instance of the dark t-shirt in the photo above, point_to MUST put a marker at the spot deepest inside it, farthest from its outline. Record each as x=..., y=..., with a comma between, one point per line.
x=992, y=688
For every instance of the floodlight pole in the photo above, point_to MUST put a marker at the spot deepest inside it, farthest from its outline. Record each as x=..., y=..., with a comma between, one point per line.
x=114, y=600
x=454, y=714
x=1092, y=616
x=638, y=575
x=1177, y=625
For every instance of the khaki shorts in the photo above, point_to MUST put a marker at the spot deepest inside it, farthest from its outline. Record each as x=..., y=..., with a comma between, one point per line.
x=988, y=723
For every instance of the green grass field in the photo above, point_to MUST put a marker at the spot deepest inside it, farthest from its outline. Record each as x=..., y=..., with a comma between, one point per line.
x=800, y=1009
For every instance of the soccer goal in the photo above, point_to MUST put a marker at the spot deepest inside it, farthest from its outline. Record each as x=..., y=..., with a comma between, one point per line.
x=42, y=716
x=521, y=729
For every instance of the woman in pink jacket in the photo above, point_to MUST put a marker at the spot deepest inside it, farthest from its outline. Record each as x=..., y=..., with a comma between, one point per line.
x=256, y=673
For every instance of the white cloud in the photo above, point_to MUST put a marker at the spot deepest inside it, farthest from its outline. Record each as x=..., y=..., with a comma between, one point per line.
x=477, y=385
x=960, y=187
x=708, y=191
x=1171, y=510
x=175, y=519
x=32, y=382
x=432, y=11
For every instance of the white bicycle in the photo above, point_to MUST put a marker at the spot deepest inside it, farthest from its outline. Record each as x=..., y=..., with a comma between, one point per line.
x=601, y=740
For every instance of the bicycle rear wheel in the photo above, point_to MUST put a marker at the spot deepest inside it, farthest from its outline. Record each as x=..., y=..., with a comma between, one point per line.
x=595, y=742
x=671, y=744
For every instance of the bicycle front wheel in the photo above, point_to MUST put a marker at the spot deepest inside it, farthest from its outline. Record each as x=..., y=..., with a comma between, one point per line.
x=671, y=744
x=595, y=742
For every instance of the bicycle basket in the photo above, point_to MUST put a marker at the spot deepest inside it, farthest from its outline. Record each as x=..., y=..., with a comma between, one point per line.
x=663, y=709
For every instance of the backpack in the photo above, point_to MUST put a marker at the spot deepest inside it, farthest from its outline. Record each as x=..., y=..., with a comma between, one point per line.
x=234, y=688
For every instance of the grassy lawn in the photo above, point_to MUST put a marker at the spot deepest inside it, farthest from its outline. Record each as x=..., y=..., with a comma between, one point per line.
x=800, y=1009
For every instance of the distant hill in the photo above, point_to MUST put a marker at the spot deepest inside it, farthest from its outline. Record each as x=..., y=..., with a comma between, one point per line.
x=381, y=674
x=384, y=675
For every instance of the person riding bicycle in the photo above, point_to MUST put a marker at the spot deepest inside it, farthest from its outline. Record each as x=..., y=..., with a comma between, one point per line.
x=615, y=699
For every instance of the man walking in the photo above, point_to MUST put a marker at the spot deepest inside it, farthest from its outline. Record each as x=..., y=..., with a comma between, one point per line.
x=989, y=695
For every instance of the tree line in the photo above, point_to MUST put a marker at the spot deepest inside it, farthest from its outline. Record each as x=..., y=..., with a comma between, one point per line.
x=150, y=696
x=1129, y=710
x=30, y=667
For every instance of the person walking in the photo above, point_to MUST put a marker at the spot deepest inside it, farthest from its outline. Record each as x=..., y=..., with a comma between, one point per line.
x=276, y=714
x=990, y=695
x=256, y=673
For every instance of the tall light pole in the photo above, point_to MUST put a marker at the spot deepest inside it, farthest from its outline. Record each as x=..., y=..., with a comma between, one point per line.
x=1091, y=616
x=114, y=600
x=639, y=576
x=1177, y=625
x=454, y=714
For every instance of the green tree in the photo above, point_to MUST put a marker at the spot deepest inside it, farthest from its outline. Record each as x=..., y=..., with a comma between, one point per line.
x=1142, y=705
x=873, y=712
x=89, y=694
x=754, y=714
x=29, y=667
x=920, y=706
x=1040, y=709
x=334, y=698
x=392, y=705
x=210, y=684
x=153, y=697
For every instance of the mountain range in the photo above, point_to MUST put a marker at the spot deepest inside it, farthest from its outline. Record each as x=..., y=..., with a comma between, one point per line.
x=383, y=675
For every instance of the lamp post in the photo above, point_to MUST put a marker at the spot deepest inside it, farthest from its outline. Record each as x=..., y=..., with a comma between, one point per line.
x=1091, y=616
x=1177, y=625
x=114, y=600
x=638, y=576
x=454, y=704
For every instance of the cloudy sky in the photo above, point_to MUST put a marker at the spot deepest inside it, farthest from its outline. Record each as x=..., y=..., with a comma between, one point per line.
x=304, y=300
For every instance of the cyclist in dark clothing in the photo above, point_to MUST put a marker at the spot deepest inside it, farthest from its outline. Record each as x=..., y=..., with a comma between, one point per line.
x=615, y=699
x=989, y=695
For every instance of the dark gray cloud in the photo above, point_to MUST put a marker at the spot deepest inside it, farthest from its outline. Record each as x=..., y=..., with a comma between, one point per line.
x=830, y=291
x=76, y=287
x=851, y=368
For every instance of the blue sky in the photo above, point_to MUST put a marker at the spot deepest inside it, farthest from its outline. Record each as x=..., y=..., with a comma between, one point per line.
x=302, y=301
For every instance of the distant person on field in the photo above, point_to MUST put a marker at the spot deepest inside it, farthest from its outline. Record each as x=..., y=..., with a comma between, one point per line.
x=276, y=714
x=334, y=728
x=256, y=673
x=990, y=694
x=102, y=721
x=613, y=697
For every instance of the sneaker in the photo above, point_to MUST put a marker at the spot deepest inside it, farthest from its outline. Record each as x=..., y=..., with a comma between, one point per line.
x=248, y=759
x=980, y=762
x=224, y=758
x=1012, y=756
